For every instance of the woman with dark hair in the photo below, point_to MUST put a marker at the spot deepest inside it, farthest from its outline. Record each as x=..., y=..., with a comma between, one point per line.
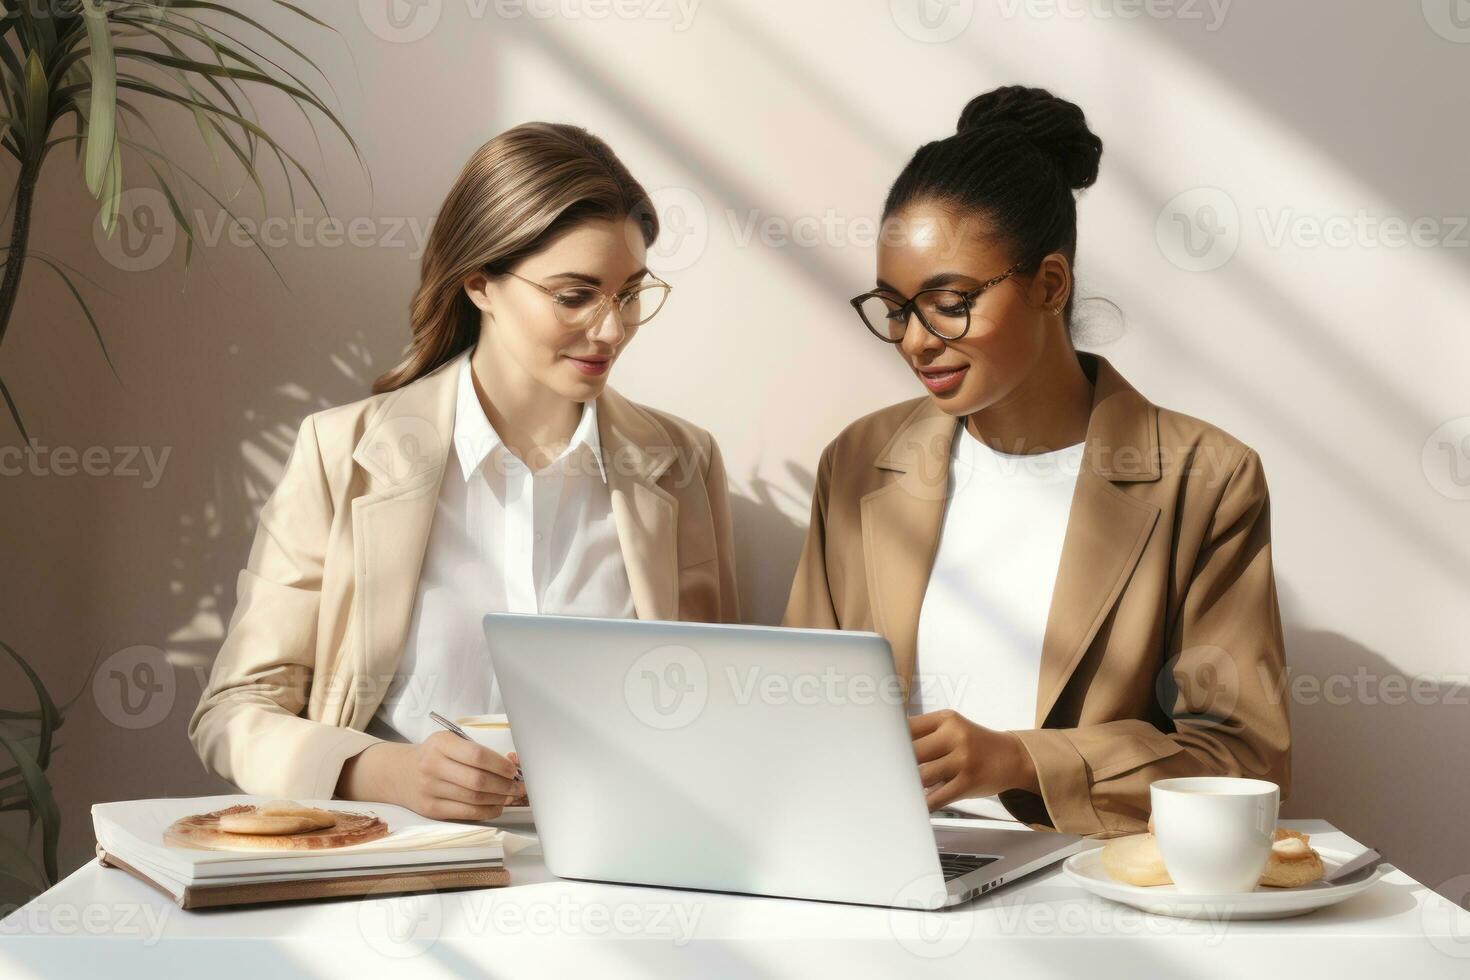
x=1076, y=583
x=492, y=470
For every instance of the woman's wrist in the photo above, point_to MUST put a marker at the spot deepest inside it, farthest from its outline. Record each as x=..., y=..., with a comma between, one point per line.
x=363, y=776
x=1023, y=767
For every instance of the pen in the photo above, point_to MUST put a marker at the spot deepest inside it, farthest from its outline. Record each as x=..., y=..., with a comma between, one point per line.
x=451, y=726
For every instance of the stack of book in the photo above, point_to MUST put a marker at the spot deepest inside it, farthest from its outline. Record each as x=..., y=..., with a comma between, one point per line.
x=418, y=854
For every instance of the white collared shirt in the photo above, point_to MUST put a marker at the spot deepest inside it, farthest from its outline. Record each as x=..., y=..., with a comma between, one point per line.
x=503, y=539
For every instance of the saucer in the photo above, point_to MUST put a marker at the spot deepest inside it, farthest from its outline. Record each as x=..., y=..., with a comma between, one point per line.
x=1262, y=903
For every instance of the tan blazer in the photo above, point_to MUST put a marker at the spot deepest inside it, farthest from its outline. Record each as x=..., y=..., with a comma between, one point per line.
x=325, y=601
x=1163, y=652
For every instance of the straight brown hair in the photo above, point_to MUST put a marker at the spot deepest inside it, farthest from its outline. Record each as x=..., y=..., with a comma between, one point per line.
x=517, y=193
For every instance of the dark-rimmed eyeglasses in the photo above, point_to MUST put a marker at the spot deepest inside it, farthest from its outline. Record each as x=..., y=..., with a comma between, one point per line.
x=943, y=312
x=584, y=306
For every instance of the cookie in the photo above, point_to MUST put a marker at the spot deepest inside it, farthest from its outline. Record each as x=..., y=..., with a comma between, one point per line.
x=277, y=817
x=1135, y=860
x=1293, y=863
x=207, y=830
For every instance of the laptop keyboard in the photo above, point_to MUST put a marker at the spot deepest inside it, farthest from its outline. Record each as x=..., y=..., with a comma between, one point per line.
x=954, y=865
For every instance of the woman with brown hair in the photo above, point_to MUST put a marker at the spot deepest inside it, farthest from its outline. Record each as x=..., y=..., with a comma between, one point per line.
x=492, y=470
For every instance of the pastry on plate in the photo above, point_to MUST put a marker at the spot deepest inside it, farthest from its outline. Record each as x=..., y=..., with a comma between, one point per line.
x=1136, y=860
x=277, y=817
x=277, y=825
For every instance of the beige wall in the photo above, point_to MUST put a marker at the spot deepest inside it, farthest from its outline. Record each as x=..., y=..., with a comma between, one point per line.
x=1337, y=361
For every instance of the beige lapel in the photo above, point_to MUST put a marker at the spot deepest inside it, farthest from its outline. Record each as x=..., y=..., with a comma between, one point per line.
x=1106, y=528
x=403, y=451
x=637, y=450
x=901, y=522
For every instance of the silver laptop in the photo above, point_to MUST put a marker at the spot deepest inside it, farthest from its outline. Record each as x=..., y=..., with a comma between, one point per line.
x=751, y=759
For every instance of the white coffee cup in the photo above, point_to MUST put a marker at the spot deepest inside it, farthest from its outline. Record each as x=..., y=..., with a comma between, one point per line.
x=491, y=731
x=1214, y=832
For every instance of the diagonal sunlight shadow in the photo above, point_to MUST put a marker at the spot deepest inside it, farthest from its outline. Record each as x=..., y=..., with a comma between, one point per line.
x=1279, y=62
x=1316, y=340
x=704, y=166
x=1427, y=539
x=1311, y=334
x=782, y=58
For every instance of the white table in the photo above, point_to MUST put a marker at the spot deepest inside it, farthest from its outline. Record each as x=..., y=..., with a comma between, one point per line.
x=102, y=922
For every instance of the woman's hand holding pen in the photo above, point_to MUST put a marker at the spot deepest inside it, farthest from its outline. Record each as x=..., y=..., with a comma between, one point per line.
x=959, y=759
x=444, y=777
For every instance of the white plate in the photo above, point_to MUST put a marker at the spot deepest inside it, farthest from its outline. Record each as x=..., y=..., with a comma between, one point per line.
x=1263, y=903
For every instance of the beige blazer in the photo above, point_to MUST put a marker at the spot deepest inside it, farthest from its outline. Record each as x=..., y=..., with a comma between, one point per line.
x=1163, y=652
x=325, y=601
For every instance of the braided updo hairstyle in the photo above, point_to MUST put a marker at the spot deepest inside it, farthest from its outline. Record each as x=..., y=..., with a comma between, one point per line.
x=1016, y=157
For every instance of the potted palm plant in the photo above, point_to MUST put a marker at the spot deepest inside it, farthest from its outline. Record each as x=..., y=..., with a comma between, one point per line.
x=88, y=74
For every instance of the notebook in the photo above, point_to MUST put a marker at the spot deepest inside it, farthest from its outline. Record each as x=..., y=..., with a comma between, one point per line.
x=418, y=854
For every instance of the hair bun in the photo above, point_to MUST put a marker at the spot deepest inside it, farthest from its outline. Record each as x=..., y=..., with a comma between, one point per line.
x=1053, y=125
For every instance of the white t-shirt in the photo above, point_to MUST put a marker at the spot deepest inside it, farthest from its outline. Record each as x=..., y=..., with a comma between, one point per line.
x=985, y=608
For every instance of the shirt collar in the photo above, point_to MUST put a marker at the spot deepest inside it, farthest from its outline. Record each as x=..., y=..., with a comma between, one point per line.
x=475, y=438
